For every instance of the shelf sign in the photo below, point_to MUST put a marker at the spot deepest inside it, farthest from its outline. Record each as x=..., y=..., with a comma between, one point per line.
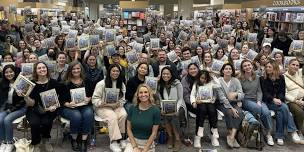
x=286, y=2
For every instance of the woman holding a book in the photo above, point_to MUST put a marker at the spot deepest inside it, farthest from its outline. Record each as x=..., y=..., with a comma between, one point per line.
x=297, y=47
x=143, y=121
x=273, y=87
x=230, y=102
x=294, y=93
x=203, y=96
x=108, y=99
x=171, y=91
x=39, y=115
x=12, y=106
x=78, y=108
x=252, y=101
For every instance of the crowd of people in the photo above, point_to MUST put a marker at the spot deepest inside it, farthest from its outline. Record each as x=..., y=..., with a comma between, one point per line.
x=201, y=66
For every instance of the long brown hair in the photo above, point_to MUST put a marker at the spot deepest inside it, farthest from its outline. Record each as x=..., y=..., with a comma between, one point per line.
x=136, y=100
x=276, y=70
x=253, y=74
x=69, y=74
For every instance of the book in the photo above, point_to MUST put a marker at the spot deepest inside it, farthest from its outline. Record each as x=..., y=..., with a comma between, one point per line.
x=111, y=50
x=52, y=66
x=251, y=55
x=274, y=51
x=43, y=57
x=154, y=42
x=205, y=94
x=111, y=95
x=78, y=95
x=49, y=99
x=183, y=36
x=7, y=63
x=50, y=42
x=172, y=56
x=196, y=60
x=55, y=31
x=169, y=106
x=297, y=45
x=27, y=70
x=185, y=64
x=287, y=59
x=138, y=47
x=132, y=57
x=70, y=43
x=65, y=29
x=28, y=27
x=252, y=37
x=94, y=40
x=227, y=29
x=23, y=85
x=72, y=34
x=110, y=35
x=84, y=42
x=237, y=64
x=217, y=65
x=151, y=82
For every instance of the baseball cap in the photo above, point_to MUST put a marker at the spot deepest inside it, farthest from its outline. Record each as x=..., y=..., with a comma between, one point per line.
x=265, y=44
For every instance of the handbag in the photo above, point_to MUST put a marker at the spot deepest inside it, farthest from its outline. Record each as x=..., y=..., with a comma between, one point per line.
x=23, y=145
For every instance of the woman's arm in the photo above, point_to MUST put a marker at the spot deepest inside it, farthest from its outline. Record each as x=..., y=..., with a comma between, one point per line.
x=130, y=134
x=151, y=138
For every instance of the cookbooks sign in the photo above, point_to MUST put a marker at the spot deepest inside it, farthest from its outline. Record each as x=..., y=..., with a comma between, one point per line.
x=286, y=2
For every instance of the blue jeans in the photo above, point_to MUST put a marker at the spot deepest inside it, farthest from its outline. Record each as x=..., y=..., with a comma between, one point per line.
x=81, y=119
x=283, y=119
x=6, y=120
x=263, y=111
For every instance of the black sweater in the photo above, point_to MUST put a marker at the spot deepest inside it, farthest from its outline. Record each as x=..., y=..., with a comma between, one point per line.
x=132, y=85
x=18, y=102
x=273, y=89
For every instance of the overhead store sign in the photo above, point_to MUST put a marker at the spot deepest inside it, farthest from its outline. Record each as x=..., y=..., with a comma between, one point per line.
x=286, y=2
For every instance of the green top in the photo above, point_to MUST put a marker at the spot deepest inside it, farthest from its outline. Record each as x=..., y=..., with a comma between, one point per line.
x=142, y=121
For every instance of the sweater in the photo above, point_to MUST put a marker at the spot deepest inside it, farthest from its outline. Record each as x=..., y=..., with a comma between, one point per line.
x=234, y=86
x=273, y=89
x=252, y=89
x=293, y=91
x=132, y=85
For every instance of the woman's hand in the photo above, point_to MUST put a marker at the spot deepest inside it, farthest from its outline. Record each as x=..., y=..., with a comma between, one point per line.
x=194, y=105
x=20, y=94
x=136, y=149
x=232, y=96
x=87, y=100
x=277, y=101
x=234, y=113
x=70, y=104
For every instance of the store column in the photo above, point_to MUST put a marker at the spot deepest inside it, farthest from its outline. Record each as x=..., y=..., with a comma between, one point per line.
x=168, y=10
x=185, y=8
x=93, y=10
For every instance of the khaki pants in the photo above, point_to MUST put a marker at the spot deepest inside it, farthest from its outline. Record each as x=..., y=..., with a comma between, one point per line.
x=116, y=119
x=141, y=144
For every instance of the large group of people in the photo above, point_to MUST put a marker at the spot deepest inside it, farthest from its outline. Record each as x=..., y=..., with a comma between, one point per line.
x=200, y=72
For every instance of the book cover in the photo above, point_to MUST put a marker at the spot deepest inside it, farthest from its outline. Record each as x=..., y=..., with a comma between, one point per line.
x=151, y=82
x=154, y=42
x=27, y=70
x=78, y=95
x=23, y=85
x=49, y=99
x=169, y=106
x=111, y=95
x=132, y=57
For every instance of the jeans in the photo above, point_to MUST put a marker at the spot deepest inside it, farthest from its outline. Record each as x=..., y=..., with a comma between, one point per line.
x=81, y=119
x=283, y=119
x=6, y=120
x=263, y=111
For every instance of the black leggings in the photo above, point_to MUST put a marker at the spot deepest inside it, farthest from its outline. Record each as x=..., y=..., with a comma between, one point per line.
x=204, y=110
x=41, y=125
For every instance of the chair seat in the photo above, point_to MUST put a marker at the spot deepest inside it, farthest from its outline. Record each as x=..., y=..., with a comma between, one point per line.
x=18, y=120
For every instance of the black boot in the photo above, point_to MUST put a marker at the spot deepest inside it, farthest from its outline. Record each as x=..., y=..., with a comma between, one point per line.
x=74, y=144
x=83, y=146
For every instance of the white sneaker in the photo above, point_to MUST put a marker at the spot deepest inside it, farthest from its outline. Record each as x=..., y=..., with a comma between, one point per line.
x=295, y=137
x=270, y=140
x=9, y=148
x=197, y=142
x=215, y=133
x=115, y=147
x=214, y=141
x=200, y=131
x=123, y=144
x=280, y=142
x=2, y=147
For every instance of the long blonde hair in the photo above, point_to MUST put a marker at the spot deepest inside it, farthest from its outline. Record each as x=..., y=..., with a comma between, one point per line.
x=276, y=70
x=136, y=100
x=253, y=74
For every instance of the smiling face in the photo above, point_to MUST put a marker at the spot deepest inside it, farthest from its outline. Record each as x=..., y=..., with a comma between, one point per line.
x=193, y=71
x=187, y=55
x=203, y=79
x=220, y=53
x=301, y=35
x=207, y=58
x=41, y=70
x=143, y=94
x=293, y=66
x=114, y=73
x=247, y=67
x=9, y=74
x=245, y=49
x=162, y=57
x=33, y=58
x=199, y=50
x=76, y=71
x=61, y=59
x=235, y=55
x=227, y=71
x=22, y=44
x=91, y=61
x=143, y=70
x=269, y=69
x=26, y=53
x=166, y=75
x=278, y=58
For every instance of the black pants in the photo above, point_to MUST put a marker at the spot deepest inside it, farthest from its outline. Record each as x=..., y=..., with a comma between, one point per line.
x=204, y=110
x=41, y=124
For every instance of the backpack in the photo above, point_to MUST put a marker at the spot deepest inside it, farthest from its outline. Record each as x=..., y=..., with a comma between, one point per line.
x=250, y=134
